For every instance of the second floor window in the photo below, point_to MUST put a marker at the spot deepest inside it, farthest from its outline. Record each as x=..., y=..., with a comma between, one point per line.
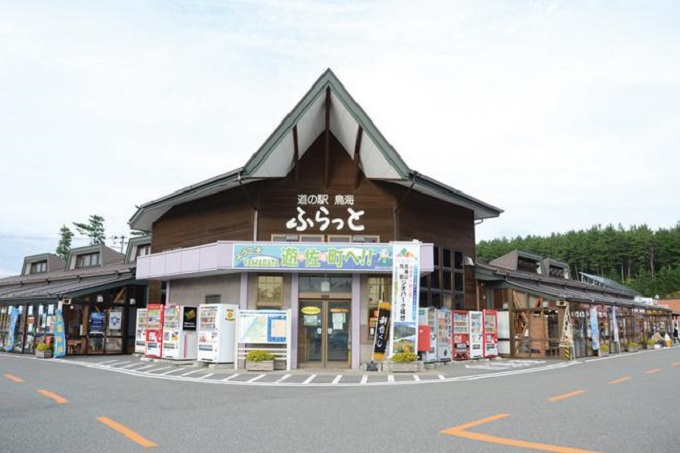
x=89, y=260
x=39, y=268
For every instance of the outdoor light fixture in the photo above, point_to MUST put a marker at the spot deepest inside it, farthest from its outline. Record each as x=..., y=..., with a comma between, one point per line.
x=100, y=298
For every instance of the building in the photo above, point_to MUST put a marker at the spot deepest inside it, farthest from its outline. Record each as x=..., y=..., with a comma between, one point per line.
x=96, y=290
x=546, y=309
x=303, y=226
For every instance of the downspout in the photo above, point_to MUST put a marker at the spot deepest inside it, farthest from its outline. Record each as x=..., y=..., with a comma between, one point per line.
x=252, y=204
x=400, y=202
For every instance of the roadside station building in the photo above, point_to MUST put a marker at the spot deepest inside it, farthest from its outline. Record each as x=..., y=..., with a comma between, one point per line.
x=304, y=225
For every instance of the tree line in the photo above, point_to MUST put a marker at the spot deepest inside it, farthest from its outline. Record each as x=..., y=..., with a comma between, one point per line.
x=644, y=260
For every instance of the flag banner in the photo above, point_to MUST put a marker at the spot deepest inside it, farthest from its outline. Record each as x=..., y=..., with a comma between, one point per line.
x=567, y=334
x=13, y=316
x=405, y=294
x=382, y=331
x=594, y=329
x=59, y=336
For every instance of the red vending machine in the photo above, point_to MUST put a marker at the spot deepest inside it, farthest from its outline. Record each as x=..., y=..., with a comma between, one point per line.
x=154, y=330
x=490, y=333
x=461, y=335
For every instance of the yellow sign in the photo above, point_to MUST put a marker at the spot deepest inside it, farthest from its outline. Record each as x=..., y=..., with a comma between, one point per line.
x=229, y=316
x=311, y=310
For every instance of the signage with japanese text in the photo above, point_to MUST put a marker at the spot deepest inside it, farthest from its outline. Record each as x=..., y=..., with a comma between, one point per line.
x=317, y=257
x=312, y=212
x=405, y=295
x=382, y=331
x=59, y=335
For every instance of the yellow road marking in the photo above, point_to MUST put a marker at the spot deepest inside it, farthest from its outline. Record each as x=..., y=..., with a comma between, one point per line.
x=54, y=396
x=676, y=364
x=12, y=377
x=127, y=432
x=518, y=443
x=459, y=431
x=477, y=423
x=653, y=370
x=618, y=381
x=554, y=399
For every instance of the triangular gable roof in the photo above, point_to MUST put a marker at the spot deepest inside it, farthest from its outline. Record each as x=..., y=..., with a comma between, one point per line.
x=378, y=160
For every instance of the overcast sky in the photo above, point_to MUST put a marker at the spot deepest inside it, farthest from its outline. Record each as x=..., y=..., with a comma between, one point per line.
x=563, y=114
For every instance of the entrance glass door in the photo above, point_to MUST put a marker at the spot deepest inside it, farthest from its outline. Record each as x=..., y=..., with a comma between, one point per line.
x=324, y=334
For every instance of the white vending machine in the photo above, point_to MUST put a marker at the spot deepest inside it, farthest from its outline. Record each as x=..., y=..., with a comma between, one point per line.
x=444, y=335
x=140, y=332
x=476, y=335
x=180, y=341
x=217, y=332
x=427, y=316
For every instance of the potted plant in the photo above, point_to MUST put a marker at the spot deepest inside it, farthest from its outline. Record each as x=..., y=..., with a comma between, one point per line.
x=259, y=360
x=404, y=362
x=632, y=346
x=604, y=349
x=43, y=350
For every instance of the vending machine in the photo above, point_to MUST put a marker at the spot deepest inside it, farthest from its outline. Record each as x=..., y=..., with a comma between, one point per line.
x=140, y=332
x=154, y=330
x=180, y=341
x=503, y=319
x=427, y=316
x=461, y=335
x=217, y=332
x=444, y=335
x=476, y=335
x=490, y=333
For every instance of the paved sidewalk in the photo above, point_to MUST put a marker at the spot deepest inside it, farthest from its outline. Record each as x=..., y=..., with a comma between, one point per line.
x=225, y=374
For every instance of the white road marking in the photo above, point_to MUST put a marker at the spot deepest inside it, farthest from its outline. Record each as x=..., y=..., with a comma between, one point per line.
x=258, y=377
x=309, y=379
x=230, y=377
x=337, y=379
x=283, y=378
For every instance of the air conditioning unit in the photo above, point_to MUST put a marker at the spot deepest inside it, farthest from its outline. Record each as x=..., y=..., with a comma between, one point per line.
x=561, y=303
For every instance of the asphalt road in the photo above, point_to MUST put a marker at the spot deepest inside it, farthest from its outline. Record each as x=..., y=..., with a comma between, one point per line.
x=624, y=403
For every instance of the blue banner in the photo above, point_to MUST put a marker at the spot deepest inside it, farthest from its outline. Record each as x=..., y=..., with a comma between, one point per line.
x=96, y=323
x=13, y=316
x=59, y=336
x=317, y=257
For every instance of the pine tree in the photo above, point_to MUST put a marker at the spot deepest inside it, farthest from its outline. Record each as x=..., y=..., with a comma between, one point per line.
x=65, y=238
x=94, y=229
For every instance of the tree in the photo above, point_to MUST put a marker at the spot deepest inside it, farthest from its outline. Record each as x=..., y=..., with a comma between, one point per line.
x=94, y=229
x=64, y=247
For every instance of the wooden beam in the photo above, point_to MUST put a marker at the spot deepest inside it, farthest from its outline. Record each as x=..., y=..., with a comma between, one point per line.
x=357, y=149
x=327, y=144
x=296, y=157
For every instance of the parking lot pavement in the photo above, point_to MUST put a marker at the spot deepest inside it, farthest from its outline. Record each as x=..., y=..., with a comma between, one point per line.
x=225, y=373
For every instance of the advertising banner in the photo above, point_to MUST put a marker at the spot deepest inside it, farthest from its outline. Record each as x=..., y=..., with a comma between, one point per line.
x=59, y=335
x=13, y=316
x=405, y=295
x=382, y=331
x=594, y=329
x=317, y=257
x=616, y=326
x=115, y=319
x=567, y=339
x=262, y=326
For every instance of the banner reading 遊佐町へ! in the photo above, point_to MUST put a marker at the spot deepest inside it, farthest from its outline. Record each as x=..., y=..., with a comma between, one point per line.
x=405, y=293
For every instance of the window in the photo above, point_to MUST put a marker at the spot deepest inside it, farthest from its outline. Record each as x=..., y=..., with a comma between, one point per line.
x=143, y=250
x=39, y=267
x=213, y=299
x=311, y=238
x=269, y=291
x=367, y=239
x=339, y=238
x=285, y=238
x=89, y=260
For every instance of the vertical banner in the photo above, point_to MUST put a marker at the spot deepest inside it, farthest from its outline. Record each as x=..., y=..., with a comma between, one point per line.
x=405, y=293
x=567, y=339
x=615, y=325
x=59, y=336
x=594, y=329
x=13, y=316
x=382, y=331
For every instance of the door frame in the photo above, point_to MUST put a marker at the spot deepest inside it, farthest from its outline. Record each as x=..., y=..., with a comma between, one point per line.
x=324, y=302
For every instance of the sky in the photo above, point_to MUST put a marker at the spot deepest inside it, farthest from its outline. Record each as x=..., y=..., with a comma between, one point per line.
x=563, y=114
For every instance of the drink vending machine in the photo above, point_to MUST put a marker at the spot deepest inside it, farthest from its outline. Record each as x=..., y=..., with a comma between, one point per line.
x=461, y=335
x=476, y=334
x=490, y=333
x=427, y=316
x=179, y=332
x=154, y=330
x=217, y=332
x=444, y=335
x=140, y=332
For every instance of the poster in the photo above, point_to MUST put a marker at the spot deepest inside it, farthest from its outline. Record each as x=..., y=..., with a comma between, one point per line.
x=59, y=336
x=97, y=323
x=115, y=319
x=189, y=318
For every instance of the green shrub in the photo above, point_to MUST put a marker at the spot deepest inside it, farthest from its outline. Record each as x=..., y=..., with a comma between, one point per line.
x=650, y=342
x=404, y=357
x=259, y=356
x=44, y=347
x=632, y=344
x=604, y=347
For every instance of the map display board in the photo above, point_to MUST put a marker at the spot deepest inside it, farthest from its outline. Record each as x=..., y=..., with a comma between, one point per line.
x=262, y=326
